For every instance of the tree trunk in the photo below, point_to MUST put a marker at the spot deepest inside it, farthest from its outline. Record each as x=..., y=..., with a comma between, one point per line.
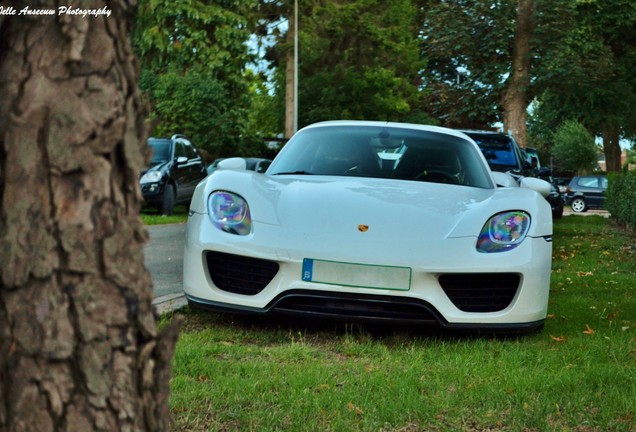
x=515, y=99
x=79, y=346
x=290, y=66
x=612, y=148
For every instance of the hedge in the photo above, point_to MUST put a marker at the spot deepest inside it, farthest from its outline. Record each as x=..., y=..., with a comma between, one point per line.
x=621, y=197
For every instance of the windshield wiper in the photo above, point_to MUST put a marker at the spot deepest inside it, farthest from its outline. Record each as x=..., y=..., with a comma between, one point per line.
x=293, y=172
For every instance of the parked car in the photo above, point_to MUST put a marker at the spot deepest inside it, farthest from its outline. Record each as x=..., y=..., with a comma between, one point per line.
x=254, y=164
x=173, y=173
x=504, y=155
x=585, y=192
x=562, y=183
x=372, y=221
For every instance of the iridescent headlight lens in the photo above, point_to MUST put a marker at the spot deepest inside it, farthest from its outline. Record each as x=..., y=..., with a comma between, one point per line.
x=230, y=213
x=503, y=232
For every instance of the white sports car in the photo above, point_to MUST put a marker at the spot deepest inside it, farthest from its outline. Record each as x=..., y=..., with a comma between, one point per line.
x=373, y=221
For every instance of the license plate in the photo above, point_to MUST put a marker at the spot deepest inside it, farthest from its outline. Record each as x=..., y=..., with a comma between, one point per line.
x=356, y=275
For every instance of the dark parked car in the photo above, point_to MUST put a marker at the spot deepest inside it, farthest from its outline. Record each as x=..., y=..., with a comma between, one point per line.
x=586, y=192
x=259, y=165
x=503, y=154
x=175, y=170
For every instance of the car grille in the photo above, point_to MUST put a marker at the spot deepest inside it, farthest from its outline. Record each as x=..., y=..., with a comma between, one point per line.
x=355, y=306
x=480, y=292
x=238, y=274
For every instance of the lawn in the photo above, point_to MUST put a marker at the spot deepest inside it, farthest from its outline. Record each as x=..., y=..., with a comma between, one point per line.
x=151, y=216
x=578, y=374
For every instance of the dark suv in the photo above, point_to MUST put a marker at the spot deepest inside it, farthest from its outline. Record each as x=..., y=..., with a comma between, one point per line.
x=504, y=154
x=175, y=170
x=585, y=192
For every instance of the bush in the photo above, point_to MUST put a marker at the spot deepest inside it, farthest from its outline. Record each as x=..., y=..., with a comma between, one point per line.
x=621, y=197
x=574, y=147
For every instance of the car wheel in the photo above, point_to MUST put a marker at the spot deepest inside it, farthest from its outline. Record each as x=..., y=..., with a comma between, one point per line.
x=557, y=212
x=167, y=202
x=578, y=205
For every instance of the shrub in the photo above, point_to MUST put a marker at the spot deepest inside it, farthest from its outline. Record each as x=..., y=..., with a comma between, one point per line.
x=621, y=197
x=574, y=147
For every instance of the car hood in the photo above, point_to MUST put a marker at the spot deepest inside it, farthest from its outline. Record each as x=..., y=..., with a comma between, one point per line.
x=338, y=207
x=157, y=166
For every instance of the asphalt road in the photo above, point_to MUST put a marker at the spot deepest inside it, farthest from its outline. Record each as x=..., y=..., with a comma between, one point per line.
x=164, y=258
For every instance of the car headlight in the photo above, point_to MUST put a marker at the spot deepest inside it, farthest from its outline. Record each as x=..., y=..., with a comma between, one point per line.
x=503, y=232
x=150, y=177
x=230, y=213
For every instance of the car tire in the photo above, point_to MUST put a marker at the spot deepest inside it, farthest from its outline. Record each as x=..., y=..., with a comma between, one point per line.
x=166, y=207
x=557, y=212
x=578, y=205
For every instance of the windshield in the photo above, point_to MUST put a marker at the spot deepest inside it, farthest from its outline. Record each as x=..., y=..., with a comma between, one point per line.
x=160, y=150
x=382, y=152
x=498, y=150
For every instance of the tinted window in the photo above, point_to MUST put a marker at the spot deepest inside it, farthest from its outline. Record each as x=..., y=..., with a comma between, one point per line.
x=191, y=153
x=160, y=150
x=179, y=150
x=590, y=182
x=498, y=150
x=384, y=152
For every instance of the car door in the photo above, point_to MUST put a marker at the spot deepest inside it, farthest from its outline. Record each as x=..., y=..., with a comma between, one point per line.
x=602, y=185
x=196, y=171
x=590, y=187
x=181, y=171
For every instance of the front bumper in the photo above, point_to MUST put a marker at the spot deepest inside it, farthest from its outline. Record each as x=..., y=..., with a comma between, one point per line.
x=152, y=192
x=426, y=299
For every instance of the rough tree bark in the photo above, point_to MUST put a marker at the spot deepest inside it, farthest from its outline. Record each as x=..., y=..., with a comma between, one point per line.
x=79, y=345
x=290, y=66
x=515, y=98
x=612, y=147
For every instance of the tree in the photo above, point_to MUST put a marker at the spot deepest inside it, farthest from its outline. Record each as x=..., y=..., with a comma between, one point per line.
x=515, y=98
x=194, y=55
x=468, y=50
x=574, y=147
x=79, y=345
x=589, y=76
x=358, y=60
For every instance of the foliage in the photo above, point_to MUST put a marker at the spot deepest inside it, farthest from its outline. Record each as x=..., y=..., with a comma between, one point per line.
x=574, y=147
x=237, y=373
x=468, y=50
x=589, y=76
x=193, y=56
x=621, y=197
x=358, y=60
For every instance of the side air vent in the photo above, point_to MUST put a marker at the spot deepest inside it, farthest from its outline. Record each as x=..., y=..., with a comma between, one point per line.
x=238, y=274
x=480, y=292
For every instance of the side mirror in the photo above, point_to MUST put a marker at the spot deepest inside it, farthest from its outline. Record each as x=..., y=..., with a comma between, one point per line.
x=235, y=163
x=181, y=160
x=504, y=179
x=537, y=185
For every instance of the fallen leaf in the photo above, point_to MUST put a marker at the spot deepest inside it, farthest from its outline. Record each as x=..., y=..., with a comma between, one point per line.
x=558, y=338
x=588, y=330
x=352, y=407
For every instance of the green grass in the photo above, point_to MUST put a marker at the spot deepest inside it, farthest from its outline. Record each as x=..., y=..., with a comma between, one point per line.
x=150, y=216
x=579, y=374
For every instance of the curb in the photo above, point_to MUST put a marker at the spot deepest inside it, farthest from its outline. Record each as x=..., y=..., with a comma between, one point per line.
x=169, y=303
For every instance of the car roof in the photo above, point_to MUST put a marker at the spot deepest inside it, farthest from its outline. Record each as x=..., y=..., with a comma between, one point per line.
x=414, y=126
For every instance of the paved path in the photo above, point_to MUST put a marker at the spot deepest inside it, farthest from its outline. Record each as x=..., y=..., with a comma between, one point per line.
x=164, y=260
x=567, y=211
